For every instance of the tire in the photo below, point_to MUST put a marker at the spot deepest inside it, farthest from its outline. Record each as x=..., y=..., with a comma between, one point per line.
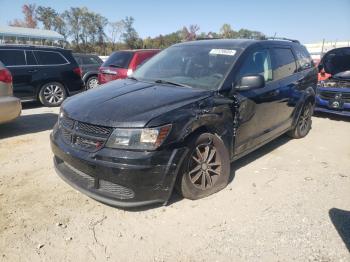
x=91, y=83
x=206, y=168
x=52, y=94
x=303, y=126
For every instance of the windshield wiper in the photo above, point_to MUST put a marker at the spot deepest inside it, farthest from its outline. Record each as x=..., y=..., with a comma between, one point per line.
x=160, y=81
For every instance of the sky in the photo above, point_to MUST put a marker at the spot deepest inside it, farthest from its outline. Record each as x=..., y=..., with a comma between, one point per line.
x=306, y=20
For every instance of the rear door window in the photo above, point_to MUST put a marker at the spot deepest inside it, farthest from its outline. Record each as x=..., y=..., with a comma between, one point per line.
x=12, y=57
x=119, y=59
x=284, y=63
x=303, y=57
x=49, y=58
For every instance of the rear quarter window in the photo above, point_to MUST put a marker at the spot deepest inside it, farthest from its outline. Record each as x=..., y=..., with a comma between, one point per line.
x=12, y=57
x=49, y=58
x=90, y=60
x=284, y=63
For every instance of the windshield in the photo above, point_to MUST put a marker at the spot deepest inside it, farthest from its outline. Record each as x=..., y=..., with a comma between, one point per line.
x=119, y=59
x=337, y=60
x=195, y=66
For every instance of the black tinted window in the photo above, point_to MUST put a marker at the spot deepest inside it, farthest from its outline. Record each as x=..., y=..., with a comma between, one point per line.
x=304, y=59
x=119, y=59
x=49, y=58
x=284, y=63
x=30, y=58
x=258, y=63
x=91, y=60
x=12, y=57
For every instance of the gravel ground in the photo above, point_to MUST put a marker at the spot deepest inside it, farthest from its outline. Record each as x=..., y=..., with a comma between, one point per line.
x=288, y=201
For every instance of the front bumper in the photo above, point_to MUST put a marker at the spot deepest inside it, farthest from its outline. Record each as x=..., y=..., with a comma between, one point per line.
x=334, y=103
x=10, y=108
x=118, y=177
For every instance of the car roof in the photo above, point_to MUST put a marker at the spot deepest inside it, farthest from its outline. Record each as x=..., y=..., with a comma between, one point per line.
x=137, y=50
x=235, y=43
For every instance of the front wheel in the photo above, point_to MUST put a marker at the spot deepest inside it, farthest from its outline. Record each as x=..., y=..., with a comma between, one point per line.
x=52, y=94
x=304, y=123
x=206, y=169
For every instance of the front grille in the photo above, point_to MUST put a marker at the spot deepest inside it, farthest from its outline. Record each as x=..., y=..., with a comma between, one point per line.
x=88, y=137
x=117, y=190
x=84, y=179
x=88, y=143
x=94, y=130
x=96, y=183
x=66, y=122
x=330, y=95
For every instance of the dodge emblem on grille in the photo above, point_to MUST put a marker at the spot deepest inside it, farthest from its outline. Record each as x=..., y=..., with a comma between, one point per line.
x=338, y=96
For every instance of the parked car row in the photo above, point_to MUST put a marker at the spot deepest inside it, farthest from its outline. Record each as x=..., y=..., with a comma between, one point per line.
x=50, y=74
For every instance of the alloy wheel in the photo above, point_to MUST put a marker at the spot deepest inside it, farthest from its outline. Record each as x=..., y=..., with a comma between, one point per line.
x=204, y=166
x=54, y=94
x=304, y=121
x=92, y=83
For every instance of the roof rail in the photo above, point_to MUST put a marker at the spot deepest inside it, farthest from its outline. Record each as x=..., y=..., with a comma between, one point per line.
x=284, y=39
x=31, y=45
x=208, y=38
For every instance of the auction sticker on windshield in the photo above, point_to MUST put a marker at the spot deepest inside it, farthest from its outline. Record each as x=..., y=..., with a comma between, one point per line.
x=229, y=52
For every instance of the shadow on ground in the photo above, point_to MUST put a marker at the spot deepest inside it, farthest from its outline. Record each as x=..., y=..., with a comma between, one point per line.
x=28, y=124
x=246, y=160
x=332, y=116
x=341, y=221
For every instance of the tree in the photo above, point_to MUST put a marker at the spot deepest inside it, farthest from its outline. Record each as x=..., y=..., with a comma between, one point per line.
x=190, y=33
x=116, y=29
x=29, y=17
x=47, y=16
x=226, y=31
x=130, y=35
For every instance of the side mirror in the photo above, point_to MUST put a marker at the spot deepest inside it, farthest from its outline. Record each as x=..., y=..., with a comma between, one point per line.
x=250, y=82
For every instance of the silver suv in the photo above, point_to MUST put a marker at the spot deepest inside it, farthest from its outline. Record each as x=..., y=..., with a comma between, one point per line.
x=10, y=107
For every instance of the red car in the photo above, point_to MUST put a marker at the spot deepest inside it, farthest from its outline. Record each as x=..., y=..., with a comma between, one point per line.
x=122, y=64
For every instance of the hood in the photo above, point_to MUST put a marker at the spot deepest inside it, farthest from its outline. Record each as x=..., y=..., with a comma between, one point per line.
x=343, y=75
x=129, y=103
x=337, y=61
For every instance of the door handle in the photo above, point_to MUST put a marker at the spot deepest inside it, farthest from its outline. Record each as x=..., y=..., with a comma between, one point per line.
x=33, y=71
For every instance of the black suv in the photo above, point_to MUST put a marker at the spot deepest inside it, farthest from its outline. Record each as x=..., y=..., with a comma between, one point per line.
x=48, y=74
x=89, y=65
x=182, y=118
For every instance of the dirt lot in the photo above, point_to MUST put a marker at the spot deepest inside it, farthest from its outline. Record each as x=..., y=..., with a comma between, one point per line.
x=289, y=201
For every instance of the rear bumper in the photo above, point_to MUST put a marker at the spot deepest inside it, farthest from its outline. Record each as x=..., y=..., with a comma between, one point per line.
x=10, y=108
x=118, y=177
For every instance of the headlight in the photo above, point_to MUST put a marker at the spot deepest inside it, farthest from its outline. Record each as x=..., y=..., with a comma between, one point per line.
x=142, y=139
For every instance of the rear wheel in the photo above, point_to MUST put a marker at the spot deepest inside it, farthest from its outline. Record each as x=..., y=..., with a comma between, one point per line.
x=52, y=94
x=206, y=169
x=304, y=123
x=92, y=82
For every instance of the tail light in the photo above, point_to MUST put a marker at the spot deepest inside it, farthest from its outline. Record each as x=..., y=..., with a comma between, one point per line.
x=5, y=76
x=78, y=71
